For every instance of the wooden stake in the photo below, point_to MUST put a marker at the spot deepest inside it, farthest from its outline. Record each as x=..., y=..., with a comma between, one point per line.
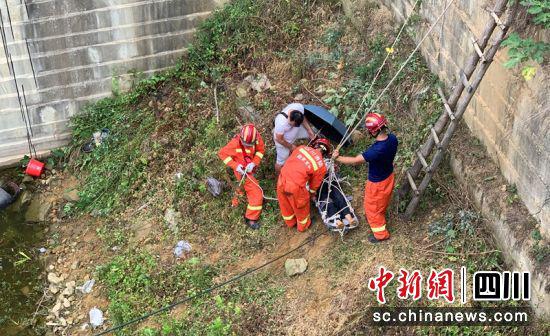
x=497, y=20
x=445, y=103
x=435, y=137
x=413, y=185
x=422, y=160
x=478, y=50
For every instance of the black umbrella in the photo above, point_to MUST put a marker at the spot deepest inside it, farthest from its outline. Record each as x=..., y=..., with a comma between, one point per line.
x=328, y=125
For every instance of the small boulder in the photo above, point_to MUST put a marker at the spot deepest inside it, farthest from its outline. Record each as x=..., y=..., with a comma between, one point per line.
x=38, y=209
x=295, y=266
x=71, y=195
x=299, y=97
x=172, y=219
x=53, y=289
x=54, y=279
x=258, y=83
x=242, y=91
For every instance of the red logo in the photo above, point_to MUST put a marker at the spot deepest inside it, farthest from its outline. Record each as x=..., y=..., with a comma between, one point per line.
x=379, y=283
x=410, y=284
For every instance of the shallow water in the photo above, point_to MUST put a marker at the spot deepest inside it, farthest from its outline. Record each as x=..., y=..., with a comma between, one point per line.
x=20, y=286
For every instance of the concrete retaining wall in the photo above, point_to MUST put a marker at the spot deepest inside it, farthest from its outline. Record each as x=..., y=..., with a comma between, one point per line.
x=75, y=48
x=510, y=116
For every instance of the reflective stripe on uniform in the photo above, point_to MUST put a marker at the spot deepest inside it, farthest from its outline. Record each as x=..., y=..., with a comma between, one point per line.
x=227, y=159
x=309, y=158
x=379, y=229
x=260, y=155
x=254, y=208
x=238, y=150
x=287, y=218
x=313, y=191
x=304, y=220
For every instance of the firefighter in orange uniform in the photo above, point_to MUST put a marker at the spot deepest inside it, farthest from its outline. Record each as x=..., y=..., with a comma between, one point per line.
x=305, y=165
x=243, y=155
x=379, y=187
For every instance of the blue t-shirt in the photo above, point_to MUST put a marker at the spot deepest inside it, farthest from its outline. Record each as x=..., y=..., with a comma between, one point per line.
x=380, y=157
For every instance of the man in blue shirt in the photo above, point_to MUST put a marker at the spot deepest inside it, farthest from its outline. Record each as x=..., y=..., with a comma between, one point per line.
x=380, y=183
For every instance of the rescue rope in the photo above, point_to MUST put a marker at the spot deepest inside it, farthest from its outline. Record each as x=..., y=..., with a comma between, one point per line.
x=348, y=134
x=245, y=175
x=213, y=288
x=389, y=51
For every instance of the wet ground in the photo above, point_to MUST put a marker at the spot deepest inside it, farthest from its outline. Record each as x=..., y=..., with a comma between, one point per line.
x=20, y=270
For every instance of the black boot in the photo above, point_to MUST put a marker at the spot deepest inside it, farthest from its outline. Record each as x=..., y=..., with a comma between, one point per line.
x=254, y=225
x=373, y=239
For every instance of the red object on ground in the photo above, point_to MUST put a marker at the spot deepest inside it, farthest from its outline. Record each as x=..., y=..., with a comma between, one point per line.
x=34, y=168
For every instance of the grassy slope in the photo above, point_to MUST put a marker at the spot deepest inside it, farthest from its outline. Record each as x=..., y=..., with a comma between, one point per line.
x=166, y=125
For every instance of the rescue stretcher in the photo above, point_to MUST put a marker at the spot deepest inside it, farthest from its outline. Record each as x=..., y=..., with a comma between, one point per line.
x=330, y=216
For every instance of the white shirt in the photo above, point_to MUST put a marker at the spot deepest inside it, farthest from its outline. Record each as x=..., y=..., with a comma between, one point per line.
x=282, y=126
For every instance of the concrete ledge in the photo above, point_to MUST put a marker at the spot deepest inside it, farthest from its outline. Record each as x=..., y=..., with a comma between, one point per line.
x=510, y=223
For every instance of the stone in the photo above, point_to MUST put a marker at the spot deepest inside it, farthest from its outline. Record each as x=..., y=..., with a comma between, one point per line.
x=53, y=289
x=56, y=308
x=242, y=91
x=295, y=266
x=62, y=321
x=75, y=265
x=258, y=83
x=68, y=291
x=38, y=209
x=71, y=195
x=66, y=303
x=21, y=202
x=172, y=219
x=299, y=97
x=27, y=179
x=54, y=279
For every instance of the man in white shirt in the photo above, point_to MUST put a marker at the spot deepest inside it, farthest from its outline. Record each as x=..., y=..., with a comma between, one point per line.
x=290, y=125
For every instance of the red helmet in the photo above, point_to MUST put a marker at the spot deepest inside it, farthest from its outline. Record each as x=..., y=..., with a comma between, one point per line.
x=324, y=145
x=374, y=123
x=248, y=135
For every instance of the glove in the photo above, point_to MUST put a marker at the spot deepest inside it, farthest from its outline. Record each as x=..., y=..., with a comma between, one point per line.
x=240, y=170
x=250, y=167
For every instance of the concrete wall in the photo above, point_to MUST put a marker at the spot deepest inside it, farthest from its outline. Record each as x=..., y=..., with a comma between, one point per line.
x=75, y=48
x=509, y=115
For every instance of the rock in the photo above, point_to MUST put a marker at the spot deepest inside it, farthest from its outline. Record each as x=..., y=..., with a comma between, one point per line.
x=54, y=279
x=56, y=308
x=75, y=265
x=53, y=289
x=38, y=209
x=69, y=321
x=242, y=91
x=25, y=290
x=71, y=195
x=62, y=321
x=68, y=291
x=295, y=266
x=172, y=219
x=27, y=179
x=66, y=303
x=21, y=202
x=258, y=83
x=299, y=97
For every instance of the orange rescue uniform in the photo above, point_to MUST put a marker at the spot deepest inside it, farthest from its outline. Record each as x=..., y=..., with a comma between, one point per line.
x=305, y=164
x=235, y=154
x=377, y=199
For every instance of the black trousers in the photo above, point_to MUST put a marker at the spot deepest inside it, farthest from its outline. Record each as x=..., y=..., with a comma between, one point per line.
x=336, y=200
